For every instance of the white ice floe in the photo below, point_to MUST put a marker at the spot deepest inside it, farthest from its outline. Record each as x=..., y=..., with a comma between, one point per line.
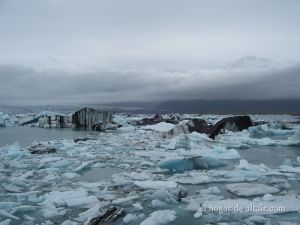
x=156, y=184
x=160, y=127
x=250, y=189
x=160, y=217
x=77, y=198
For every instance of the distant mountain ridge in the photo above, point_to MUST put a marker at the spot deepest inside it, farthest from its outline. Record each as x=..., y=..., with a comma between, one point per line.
x=176, y=106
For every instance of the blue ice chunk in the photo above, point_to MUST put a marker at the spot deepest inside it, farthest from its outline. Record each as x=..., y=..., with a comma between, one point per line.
x=194, y=163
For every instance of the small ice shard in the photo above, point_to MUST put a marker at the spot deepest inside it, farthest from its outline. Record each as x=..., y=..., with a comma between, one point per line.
x=23, y=208
x=250, y=189
x=193, y=163
x=29, y=218
x=198, y=214
x=137, y=207
x=131, y=217
x=268, y=198
x=244, y=165
x=160, y=217
x=156, y=184
x=42, y=148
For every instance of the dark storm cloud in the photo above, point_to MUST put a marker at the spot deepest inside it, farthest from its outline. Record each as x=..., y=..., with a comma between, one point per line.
x=66, y=51
x=26, y=85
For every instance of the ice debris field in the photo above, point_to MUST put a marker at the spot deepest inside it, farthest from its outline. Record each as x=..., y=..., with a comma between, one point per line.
x=136, y=175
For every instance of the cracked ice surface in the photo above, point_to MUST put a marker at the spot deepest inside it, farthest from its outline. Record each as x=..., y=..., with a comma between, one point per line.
x=54, y=189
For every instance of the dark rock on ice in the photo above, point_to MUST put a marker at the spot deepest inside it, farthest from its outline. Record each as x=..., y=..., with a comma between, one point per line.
x=111, y=215
x=193, y=125
x=235, y=123
x=198, y=125
x=42, y=149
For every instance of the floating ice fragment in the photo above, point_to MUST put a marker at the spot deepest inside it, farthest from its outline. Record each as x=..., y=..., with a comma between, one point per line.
x=250, y=189
x=50, y=211
x=244, y=165
x=289, y=169
x=8, y=215
x=23, y=208
x=5, y=222
x=69, y=222
x=268, y=197
x=60, y=198
x=258, y=219
x=158, y=204
x=156, y=184
x=137, y=207
x=160, y=217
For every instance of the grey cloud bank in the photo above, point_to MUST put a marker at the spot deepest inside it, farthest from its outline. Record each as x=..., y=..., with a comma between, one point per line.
x=112, y=51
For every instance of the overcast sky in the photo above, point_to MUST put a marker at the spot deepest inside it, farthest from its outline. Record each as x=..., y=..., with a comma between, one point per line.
x=94, y=51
